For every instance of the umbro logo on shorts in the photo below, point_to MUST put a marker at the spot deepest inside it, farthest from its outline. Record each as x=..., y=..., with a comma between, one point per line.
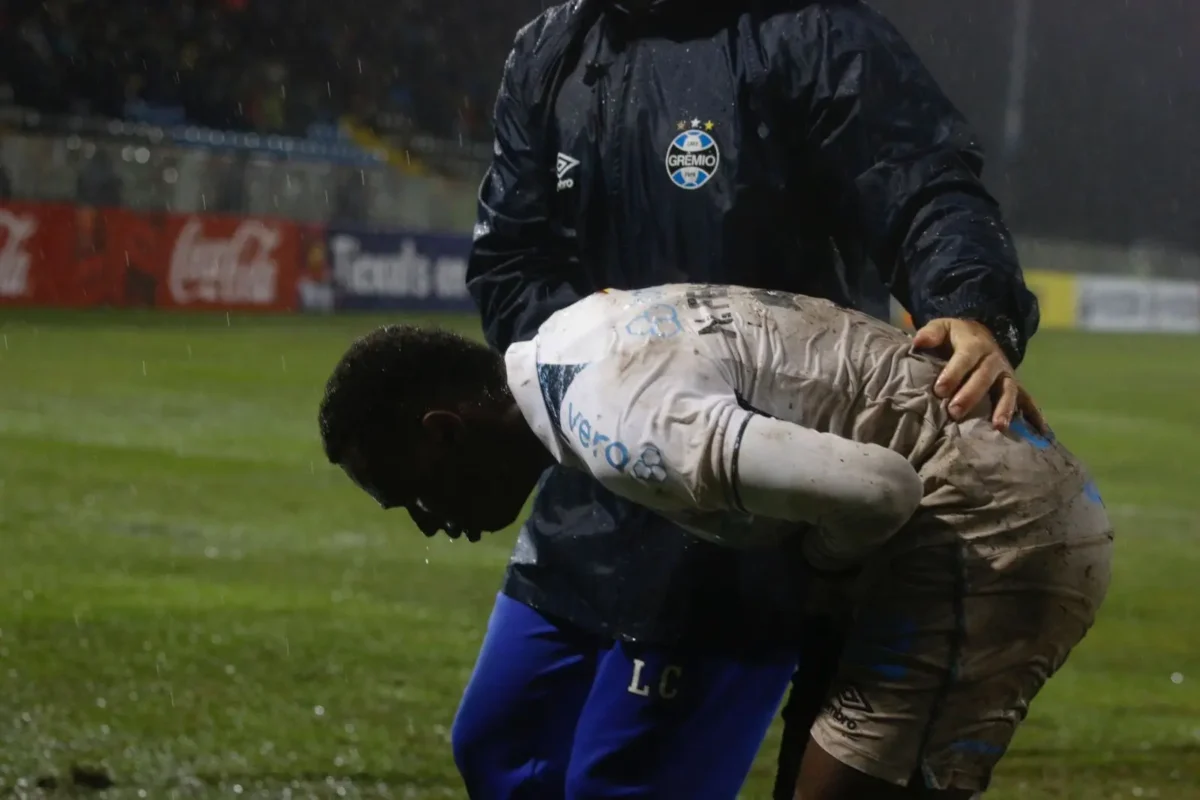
x=847, y=704
x=851, y=699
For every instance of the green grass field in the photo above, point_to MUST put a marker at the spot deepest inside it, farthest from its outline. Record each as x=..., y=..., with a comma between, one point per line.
x=194, y=604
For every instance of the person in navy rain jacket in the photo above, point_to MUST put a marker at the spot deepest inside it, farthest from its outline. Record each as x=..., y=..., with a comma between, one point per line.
x=790, y=145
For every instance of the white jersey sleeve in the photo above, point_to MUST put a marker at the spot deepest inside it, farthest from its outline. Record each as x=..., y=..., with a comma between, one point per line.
x=658, y=428
x=661, y=425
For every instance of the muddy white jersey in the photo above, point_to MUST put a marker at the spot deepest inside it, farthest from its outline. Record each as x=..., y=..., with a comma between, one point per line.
x=651, y=392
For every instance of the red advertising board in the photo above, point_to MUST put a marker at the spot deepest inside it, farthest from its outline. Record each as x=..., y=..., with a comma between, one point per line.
x=32, y=237
x=68, y=256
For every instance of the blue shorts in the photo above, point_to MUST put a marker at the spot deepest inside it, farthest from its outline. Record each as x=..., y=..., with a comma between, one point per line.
x=554, y=712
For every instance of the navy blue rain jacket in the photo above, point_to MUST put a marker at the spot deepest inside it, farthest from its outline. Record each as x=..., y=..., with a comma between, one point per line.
x=781, y=144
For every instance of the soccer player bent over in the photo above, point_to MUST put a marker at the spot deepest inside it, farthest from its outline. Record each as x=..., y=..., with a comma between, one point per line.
x=747, y=416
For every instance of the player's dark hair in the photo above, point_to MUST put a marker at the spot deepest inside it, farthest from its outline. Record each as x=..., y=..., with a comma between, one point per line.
x=390, y=378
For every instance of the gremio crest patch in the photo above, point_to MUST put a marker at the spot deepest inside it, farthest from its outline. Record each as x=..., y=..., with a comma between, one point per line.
x=693, y=156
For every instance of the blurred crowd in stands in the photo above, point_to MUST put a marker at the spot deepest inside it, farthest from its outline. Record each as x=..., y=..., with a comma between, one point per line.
x=269, y=66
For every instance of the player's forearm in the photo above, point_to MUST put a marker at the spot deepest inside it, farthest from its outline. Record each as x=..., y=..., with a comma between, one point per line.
x=858, y=495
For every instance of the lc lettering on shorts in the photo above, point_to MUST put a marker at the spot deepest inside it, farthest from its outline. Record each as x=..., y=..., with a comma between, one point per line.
x=667, y=686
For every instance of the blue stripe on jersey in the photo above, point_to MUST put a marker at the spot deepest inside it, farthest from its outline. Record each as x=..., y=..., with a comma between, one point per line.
x=555, y=380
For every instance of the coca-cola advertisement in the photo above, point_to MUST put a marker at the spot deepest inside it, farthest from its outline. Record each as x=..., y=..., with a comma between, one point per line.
x=85, y=257
x=35, y=255
x=60, y=255
x=229, y=263
x=15, y=258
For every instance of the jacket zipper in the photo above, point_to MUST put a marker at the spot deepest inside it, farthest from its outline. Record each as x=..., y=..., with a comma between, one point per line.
x=611, y=122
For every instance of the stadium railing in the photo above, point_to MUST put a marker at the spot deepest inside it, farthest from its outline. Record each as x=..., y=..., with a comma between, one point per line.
x=182, y=169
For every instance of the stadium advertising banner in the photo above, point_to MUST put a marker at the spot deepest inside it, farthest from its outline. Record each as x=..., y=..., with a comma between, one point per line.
x=79, y=257
x=224, y=262
x=32, y=237
x=1057, y=294
x=398, y=270
x=69, y=256
x=1138, y=305
x=1058, y=298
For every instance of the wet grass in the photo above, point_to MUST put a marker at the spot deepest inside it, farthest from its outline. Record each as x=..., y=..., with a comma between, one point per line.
x=193, y=604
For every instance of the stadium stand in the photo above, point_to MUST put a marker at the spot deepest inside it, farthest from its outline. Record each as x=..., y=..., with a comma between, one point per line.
x=269, y=66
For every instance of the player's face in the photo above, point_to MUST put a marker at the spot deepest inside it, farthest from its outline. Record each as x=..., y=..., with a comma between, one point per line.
x=462, y=488
x=453, y=486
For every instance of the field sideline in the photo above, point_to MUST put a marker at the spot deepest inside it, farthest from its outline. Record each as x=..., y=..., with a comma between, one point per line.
x=193, y=604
